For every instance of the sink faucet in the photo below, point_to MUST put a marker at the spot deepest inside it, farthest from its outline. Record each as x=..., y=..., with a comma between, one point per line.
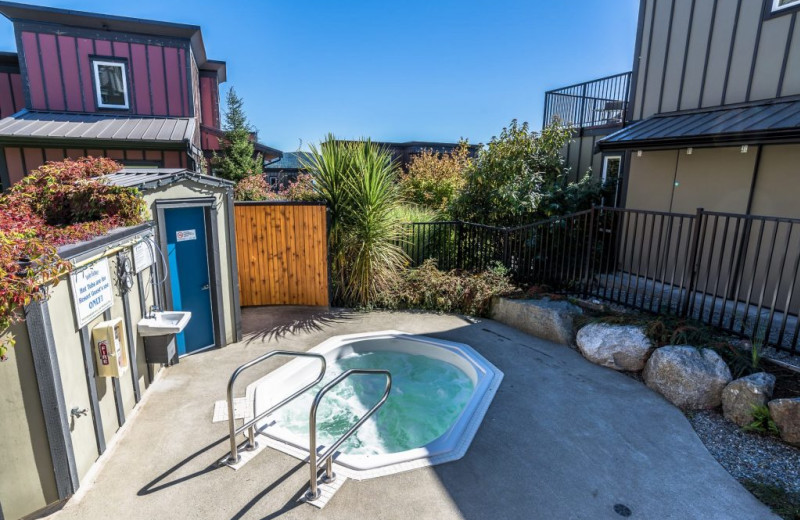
x=154, y=309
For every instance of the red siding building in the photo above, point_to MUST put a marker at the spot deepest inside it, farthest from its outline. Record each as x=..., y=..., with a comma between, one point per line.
x=139, y=91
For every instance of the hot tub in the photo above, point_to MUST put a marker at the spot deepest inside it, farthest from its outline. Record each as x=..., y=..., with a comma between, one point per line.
x=441, y=391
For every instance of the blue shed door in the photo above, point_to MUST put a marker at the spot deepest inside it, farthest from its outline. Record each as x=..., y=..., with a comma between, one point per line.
x=189, y=276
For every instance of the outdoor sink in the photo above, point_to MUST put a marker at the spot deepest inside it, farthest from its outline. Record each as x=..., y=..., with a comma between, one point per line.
x=163, y=323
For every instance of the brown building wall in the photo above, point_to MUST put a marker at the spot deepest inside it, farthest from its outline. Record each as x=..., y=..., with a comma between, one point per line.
x=713, y=52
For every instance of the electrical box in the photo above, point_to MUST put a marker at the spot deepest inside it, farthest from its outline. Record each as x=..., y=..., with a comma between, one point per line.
x=110, y=352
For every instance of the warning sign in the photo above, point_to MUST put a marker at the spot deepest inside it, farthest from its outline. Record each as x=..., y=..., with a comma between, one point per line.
x=188, y=234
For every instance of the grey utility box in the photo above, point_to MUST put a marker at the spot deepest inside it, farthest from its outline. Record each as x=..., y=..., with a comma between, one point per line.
x=161, y=349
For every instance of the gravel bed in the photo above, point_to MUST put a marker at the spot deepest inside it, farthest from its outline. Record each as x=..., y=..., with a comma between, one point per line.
x=748, y=456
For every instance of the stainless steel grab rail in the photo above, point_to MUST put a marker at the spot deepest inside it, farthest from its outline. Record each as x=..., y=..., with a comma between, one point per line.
x=313, y=492
x=234, y=456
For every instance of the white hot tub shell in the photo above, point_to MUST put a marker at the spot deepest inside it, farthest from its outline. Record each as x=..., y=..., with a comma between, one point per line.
x=449, y=446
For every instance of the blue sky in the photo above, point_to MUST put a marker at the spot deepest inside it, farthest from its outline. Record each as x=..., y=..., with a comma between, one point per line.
x=433, y=70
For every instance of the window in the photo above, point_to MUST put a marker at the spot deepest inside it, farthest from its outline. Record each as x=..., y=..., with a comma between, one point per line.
x=111, y=84
x=611, y=165
x=611, y=171
x=777, y=5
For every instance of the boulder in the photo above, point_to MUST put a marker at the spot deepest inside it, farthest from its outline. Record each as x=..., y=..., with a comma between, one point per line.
x=786, y=414
x=621, y=347
x=690, y=378
x=741, y=395
x=545, y=318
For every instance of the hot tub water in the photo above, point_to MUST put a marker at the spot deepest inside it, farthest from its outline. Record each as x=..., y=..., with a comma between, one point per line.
x=427, y=397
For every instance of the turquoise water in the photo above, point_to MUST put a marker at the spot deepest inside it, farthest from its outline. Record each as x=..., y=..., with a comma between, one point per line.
x=426, y=398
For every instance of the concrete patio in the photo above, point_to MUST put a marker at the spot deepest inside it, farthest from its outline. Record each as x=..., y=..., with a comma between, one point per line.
x=563, y=439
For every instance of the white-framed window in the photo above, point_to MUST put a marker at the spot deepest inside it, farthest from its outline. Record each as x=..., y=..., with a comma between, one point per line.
x=611, y=166
x=110, y=84
x=778, y=5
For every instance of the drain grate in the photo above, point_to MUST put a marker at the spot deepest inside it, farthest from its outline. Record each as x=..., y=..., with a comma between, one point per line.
x=622, y=510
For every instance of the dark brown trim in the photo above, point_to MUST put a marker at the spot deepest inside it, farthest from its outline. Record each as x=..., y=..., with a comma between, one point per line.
x=686, y=54
x=630, y=112
x=41, y=71
x=755, y=59
x=767, y=13
x=61, y=73
x=115, y=385
x=5, y=180
x=91, y=383
x=51, y=392
x=786, y=51
x=166, y=83
x=649, y=54
x=734, y=33
x=753, y=181
x=712, y=24
x=666, y=56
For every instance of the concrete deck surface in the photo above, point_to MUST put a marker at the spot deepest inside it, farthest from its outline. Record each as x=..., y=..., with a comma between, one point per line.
x=563, y=439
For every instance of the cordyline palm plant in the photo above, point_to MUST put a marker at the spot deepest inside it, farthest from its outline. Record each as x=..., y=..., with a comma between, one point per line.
x=357, y=180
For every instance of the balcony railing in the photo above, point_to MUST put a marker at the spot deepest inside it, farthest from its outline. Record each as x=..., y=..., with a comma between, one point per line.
x=598, y=103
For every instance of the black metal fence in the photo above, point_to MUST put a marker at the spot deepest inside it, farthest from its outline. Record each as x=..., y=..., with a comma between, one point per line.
x=736, y=272
x=601, y=102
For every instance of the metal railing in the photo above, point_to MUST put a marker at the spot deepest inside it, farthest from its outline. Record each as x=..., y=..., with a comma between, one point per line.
x=740, y=273
x=315, y=460
x=234, y=456
x=596, y=103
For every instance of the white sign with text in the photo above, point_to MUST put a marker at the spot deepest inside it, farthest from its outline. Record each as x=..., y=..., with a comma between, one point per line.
x=188, y=234
x=92, y=291
x=142, y=257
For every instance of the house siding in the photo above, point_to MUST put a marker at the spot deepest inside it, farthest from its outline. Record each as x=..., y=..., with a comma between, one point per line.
x=20, y=160
x=706, y=53
x=12, y=99
x=59, y=71
x=209, y=99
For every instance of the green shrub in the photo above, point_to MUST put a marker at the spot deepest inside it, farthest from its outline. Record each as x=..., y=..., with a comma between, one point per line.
x=433, y=180
x=428, y=288
x=358, y=182
x=521, y=177
x=405, y=213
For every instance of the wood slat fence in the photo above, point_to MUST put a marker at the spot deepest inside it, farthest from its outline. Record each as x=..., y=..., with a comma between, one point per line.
x=282, y=253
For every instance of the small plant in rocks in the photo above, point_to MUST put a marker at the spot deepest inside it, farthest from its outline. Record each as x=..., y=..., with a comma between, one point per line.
x=762, y=421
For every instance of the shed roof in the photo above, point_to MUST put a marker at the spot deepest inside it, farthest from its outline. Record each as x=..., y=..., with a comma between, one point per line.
x=29, y=124
x=151, y=178
x=744, y=124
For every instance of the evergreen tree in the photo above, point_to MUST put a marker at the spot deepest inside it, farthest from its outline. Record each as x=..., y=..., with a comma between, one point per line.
x=238, y=159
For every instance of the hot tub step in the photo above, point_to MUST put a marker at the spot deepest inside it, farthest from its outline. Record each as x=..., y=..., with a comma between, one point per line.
x=326, y=492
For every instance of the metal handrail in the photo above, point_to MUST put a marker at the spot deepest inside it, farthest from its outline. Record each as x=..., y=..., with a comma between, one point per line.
x=234, y=456
x=314, y=460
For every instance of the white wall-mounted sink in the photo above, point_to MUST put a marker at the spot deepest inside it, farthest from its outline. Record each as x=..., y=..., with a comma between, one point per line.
x=164, y=322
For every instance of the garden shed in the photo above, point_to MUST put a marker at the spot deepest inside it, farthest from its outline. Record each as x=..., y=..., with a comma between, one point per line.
x=81, y=365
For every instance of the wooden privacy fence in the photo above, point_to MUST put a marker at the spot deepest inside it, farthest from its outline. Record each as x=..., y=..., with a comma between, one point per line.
x=282, y=253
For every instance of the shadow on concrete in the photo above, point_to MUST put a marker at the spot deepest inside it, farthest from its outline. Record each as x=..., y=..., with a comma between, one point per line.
x=156, y=485
x=291, y=504
x=261, y=324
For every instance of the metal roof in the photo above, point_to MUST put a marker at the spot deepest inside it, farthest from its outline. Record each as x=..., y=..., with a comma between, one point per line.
x=289, y=161
x=752, y=123
x=151, y=178
x=26, y=125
